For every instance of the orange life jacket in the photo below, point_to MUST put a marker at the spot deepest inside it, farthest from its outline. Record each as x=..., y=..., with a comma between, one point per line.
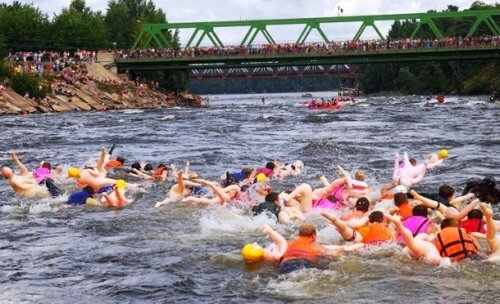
x=455, y=243
x=375, y=233
x=300, y=248
x=113, y=164
x=157, y=174
x=405, y=211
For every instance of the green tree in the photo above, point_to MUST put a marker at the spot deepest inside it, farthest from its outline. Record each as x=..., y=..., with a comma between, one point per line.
x=125, y=17
x=24, y=27
x=32, y=85
x=3, y=47
x=78, y=27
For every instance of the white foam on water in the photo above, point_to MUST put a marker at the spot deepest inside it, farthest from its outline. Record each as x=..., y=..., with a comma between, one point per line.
x=303, y=283
x=168, y=117
x=229, y=221
x=133, y=111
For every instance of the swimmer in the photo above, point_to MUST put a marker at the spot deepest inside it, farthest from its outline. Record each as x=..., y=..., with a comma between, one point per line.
x=222, y=195
x=304, y=250
x=90, y=177
x=160, y=174
x=268, y=170
x=116, y=163
x=484, y=189
x=43, y=176
x=410, y=170
x=287, y=170
x=454, y=242
x=360, y=210
x=283, y=214
x=419, y=245
x=374, y=232
x=253, y=252
x=303, y=197
x=448, y=212
x=436, y=159
x=23, y=183
x=493, y=240
x=388, y=191
x=117, y=197
x=179, y=190
x=352, y=189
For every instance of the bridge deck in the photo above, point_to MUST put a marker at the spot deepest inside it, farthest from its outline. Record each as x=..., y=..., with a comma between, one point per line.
x=342, y=57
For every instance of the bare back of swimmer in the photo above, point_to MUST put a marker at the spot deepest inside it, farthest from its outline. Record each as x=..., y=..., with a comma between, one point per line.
x=25, y=186
x=90, y=177
x=178, y=191
x=23, y=183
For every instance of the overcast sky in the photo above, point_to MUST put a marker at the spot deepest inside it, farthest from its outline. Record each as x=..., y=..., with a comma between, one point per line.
x=223, y=10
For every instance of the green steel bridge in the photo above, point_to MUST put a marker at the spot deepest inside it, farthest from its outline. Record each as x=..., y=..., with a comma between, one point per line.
x=155, y=36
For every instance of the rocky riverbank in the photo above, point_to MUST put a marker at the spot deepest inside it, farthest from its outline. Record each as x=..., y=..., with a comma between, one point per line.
x=102, y=90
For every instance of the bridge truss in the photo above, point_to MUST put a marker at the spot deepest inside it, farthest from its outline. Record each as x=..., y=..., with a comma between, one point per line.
x=155, y=35
x=339, y=71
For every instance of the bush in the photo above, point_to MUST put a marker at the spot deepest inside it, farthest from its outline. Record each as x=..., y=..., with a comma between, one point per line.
x=4, y=69
x=23, y=84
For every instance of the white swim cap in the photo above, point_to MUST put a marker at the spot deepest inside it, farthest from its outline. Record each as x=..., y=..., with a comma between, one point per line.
x=400, y=189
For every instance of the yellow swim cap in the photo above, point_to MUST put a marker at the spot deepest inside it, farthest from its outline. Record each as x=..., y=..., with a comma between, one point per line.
x=443, y=154
x=261, y=177
x=193, y=175
x=120, y=184
x=73, y=172
x=252, y=253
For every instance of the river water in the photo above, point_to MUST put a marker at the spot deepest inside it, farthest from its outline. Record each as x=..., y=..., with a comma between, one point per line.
x=51, y=253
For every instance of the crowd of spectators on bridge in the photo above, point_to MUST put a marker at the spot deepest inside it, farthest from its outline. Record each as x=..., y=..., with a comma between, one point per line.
x=312, y=48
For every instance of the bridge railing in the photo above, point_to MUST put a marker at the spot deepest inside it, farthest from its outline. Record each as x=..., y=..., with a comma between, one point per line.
x=310, y=49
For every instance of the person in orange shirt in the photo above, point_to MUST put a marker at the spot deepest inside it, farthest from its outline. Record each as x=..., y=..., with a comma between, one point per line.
x=117, y=163
x=405, y=210
x=302, y=251
x=374, y=232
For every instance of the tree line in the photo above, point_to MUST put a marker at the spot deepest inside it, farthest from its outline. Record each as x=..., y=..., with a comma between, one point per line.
x=23, y=27
x=459, y=77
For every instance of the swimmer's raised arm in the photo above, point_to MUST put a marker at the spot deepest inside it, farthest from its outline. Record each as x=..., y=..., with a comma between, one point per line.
x=432, y=165
x=490, y=228
x=324, y=181
x=278, y=239
x=102, y=161
x=462, y=214
x=385, y=190
x=459, y=200
x=395, y=174
x=24, y=171
x=428, y=202
x=347, y=176
x=180, y=182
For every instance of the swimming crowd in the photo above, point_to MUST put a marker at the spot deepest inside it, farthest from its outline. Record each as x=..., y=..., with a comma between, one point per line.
x=436, y=228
